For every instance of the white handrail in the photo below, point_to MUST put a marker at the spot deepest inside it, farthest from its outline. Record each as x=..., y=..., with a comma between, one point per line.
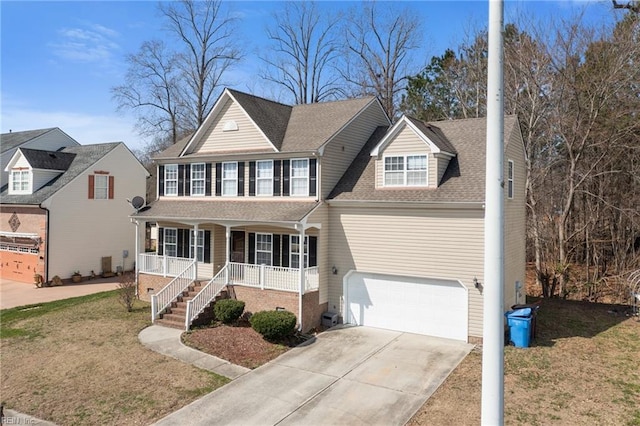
x=272, y=277
x=162, y=299
x=204, y=297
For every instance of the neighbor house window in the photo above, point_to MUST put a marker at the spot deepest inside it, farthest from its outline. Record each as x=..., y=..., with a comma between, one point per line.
x=510, y=179
x=300, y=177
x=199, y=245
x=101, y=187
x=264, y=177
x=230, y=179
x=409, y=170
x=171, y=242
x=294, y=254
x=171, y=179
x=197, y=179
x=21, y=181
x=263, y=249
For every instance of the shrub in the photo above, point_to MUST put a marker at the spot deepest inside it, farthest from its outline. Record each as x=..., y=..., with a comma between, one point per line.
x=273, y=325
x=127, y=291
x=228, y=310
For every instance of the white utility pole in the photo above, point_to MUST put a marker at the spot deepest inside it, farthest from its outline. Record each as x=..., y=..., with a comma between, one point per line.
x=493, y=316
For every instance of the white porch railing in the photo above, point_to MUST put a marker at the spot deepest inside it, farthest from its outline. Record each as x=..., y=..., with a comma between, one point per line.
x=167, y=266
x=272, y=277
x=205, y=296
x=171, y=291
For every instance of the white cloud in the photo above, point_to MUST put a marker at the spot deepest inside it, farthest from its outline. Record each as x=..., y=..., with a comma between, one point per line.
x=85, y=128
x=91, y=43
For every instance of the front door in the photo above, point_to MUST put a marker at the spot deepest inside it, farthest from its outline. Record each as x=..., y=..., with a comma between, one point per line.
x=237, y=246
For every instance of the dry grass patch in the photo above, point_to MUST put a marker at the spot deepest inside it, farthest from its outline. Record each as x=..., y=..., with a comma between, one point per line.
x=80, y=362
x=583, y=369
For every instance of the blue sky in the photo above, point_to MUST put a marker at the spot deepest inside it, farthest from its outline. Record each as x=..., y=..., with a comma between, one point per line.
x=59, y=59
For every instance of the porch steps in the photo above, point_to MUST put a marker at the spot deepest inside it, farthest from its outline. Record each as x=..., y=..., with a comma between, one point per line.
x=175, y=314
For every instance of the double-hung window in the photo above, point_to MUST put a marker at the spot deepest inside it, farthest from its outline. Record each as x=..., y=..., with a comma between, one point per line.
x=230, y=179
x=264, y=249
x=171, y=179
x=264, y=177
x=101, y=187
x=300, y=177
x=171, y=242
x=21, y=181
x=409, y=170
x=294, y=254
x=198, y=246
x=197, y=179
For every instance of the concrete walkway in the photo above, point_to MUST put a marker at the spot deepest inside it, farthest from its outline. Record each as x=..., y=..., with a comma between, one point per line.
x=167, y=341
x=346, y=375
x=14, y=293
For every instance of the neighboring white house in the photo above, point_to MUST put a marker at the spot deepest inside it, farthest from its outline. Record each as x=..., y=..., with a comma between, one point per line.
x=65, y=210
x=329, y=208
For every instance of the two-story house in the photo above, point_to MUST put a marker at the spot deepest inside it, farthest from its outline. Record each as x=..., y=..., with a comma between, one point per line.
x=67, y=210
x=327, y=208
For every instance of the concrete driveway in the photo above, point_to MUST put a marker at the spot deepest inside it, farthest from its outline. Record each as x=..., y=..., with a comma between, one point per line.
x=347, y=375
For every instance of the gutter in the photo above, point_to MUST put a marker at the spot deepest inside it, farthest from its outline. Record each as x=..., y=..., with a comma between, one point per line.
x=438, y=205
x=46, y=245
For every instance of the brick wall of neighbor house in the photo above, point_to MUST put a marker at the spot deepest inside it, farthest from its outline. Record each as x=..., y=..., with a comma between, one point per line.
x=268, y=300
x=22, y=266
x=155, y=282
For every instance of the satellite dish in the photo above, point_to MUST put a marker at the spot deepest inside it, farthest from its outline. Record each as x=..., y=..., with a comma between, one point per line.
x=137, y=202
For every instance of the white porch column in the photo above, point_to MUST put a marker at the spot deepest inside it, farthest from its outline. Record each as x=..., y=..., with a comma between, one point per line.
x=301, y=271
x=227, y=233
x=195, y=249
x=136, y=267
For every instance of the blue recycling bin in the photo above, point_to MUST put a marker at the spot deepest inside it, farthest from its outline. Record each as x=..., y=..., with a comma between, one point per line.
x=519, y=322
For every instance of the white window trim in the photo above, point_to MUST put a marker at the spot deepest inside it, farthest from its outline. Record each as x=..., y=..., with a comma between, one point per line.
x=98, y=190
x=291, y=178
x=223, y=179
x=203, y=180
x=510, y=179
x=405, y=170
x=201, y=234
x=264, y=251
x=270, y=179
x=296, y=253
x=29, y=181
x=164, y=241
x=166, y=180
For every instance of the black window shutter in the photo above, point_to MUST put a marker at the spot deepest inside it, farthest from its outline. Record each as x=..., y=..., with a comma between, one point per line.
x=187, y=179
x=160, y=248
x=285, y=251
x=313, y=181
x=182, y=243
x=207, y=179
x=160, y=180
x=252, y=248
x=181, y=180
x=207, y=246
x=285, y=177
x=275, y=261
x=313, y=251
x=276, y=177
x=241, y=178
x=218, y=179
x=252, y=178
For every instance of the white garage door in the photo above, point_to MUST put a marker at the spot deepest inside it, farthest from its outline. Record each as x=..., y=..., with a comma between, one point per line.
x=416, y=305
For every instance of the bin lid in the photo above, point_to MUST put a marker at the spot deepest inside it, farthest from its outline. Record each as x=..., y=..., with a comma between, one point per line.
x=524, y=312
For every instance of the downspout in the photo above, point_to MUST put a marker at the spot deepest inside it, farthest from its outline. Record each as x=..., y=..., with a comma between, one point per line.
x=46, y=246
x=136, y=269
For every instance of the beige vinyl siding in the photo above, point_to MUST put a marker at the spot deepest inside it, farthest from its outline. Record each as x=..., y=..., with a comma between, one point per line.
x=343, y=148
x=411, y=242
x=42, y=177
x=82, y=231
x=321, y=216
x=407, y=142
x=514, y=220
x=443, y=163
x=248, y=137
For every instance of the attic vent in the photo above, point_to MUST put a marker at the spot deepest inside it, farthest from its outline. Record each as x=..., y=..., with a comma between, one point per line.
x=230, y=126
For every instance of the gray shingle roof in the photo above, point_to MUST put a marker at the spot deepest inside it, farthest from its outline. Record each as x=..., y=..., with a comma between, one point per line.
x=85, y=156
x=174, y=150
x=228, y=210
x=434, y=134
x=14, y=139
x=463, y=181
x=49, y=160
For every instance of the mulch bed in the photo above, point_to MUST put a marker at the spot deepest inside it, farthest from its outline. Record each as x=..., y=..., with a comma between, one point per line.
x=239, y=344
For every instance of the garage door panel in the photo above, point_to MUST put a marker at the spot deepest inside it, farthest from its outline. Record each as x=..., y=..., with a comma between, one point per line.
x=415, y=305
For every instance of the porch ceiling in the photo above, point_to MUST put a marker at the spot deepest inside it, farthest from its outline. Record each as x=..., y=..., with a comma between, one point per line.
x=221, y=211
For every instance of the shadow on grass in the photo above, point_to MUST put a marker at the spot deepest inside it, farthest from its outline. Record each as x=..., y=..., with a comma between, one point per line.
x=558, y=319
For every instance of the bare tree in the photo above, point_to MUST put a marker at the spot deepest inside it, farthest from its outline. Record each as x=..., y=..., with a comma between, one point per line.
x=379, y=47
x=304, y=53
x=172, y=91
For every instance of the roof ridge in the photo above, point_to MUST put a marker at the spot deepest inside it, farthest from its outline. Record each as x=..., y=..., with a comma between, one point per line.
x=258, y=97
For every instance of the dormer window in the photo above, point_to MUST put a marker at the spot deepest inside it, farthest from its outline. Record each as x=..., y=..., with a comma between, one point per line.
x=20, y=182
x=408, y=170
